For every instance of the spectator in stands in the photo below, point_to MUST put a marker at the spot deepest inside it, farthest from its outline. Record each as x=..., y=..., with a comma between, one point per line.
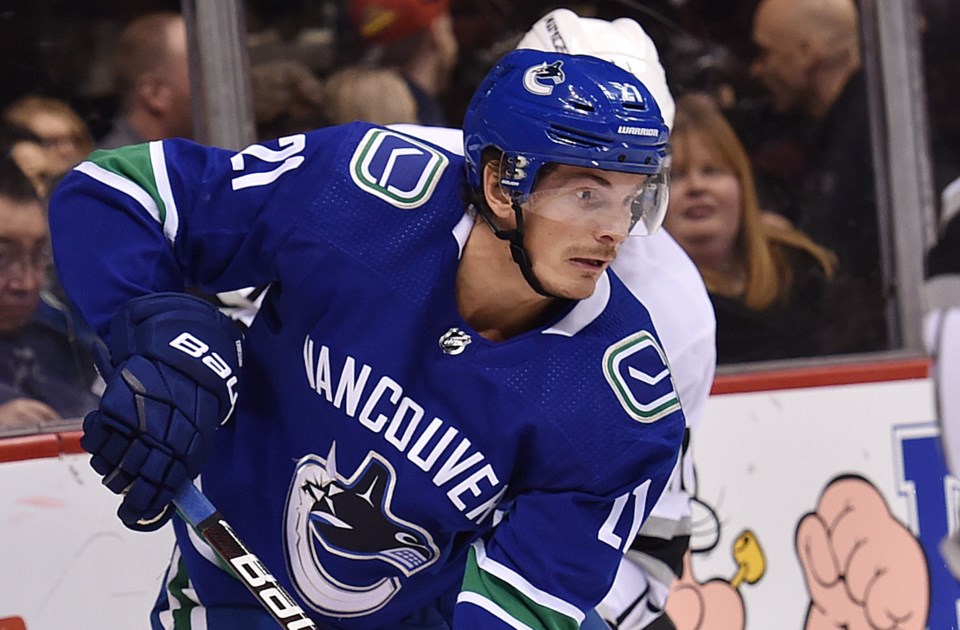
x=809, y=60
x=26, y=150
x=416, y=37
x=64, y=136
x=46, y=374
x=152, y=77
x=377, y=95
x=287, y=98
x=769, y=284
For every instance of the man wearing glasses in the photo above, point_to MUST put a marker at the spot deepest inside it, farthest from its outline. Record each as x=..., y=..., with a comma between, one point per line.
x=45, y=373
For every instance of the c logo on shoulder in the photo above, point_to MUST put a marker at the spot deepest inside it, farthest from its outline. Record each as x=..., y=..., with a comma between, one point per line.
x=637, y=371
x=396, y=168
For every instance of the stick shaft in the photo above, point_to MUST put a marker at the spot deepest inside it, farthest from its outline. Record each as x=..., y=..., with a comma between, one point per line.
x=197, y=511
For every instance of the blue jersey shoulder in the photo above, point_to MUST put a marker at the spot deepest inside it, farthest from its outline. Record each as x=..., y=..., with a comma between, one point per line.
x=390, y=202
x=606, y=387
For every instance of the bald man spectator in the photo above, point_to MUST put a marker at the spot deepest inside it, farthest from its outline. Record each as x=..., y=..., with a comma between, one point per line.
x=416, y=37
x=152, y=77
x=809, y=60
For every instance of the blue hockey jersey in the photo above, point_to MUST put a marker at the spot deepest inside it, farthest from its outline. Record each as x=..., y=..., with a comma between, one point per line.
x=383, y=459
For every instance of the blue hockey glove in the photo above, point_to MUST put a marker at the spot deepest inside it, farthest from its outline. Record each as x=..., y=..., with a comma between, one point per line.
x=171, y=382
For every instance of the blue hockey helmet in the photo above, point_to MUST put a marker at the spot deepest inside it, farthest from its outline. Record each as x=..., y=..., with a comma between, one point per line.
x=545, y=107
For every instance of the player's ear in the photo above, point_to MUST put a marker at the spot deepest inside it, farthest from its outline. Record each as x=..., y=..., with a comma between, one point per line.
x=498, y=200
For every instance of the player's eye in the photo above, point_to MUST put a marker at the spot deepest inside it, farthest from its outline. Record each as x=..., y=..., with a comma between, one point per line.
x=588, y=198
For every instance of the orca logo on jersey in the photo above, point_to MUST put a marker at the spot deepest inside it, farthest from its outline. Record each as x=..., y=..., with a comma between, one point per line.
x=397, y=168
x=330, y=519
x=636, y=368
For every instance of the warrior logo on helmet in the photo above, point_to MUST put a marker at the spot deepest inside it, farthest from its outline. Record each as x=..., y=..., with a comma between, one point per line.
x=331, y=520
x=541, y=79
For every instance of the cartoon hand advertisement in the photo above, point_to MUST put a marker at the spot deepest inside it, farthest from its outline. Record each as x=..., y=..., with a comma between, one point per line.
x=716, y=604
x=710, y=606
x=863, y=568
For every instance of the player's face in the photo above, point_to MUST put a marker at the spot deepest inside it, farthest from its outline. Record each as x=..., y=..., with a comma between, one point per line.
x=705, y=207
x=575, y=221
x=24, y=255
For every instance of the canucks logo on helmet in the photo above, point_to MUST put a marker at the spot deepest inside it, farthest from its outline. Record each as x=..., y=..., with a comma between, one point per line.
x=540, y=79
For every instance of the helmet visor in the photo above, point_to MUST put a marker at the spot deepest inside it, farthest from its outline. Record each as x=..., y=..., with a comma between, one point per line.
x=621, y=210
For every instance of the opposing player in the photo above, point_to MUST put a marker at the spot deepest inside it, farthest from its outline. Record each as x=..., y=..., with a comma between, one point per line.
x=444, y=415
x=660, y=273
x=942, y=337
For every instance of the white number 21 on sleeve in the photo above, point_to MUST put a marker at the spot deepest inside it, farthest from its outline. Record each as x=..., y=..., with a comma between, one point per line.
x=287, y=159
x=607, y=535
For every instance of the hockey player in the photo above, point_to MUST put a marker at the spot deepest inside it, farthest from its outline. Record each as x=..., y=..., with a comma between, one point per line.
x=661, y=274
x=670, y=286
x=942, y=339
x=443, y=415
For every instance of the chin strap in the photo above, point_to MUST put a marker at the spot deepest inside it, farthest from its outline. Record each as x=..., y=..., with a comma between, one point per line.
x=517, y=251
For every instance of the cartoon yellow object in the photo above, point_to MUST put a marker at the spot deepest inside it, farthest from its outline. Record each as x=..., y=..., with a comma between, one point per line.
x=717, y=604
x=749, y=558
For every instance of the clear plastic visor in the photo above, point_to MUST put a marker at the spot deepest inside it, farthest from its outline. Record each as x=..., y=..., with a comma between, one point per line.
x=620, y=210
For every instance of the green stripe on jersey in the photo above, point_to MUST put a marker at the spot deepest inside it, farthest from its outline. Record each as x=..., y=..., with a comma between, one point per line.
x=512, y=601
x=179, y=583
x=133, y=163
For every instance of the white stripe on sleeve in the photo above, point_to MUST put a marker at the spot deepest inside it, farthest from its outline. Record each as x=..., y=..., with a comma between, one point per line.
x=517, y=581
x=492, y=608
x=157, y=158
x=123, y=185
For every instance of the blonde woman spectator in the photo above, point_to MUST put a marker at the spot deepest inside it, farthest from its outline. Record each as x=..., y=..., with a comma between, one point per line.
x=769, y=283
x=65, y=138
x=287, y=98
x=376, y=95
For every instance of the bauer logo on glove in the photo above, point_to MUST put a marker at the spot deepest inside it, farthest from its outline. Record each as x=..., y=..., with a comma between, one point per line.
x=171, y=381
x=193, y=347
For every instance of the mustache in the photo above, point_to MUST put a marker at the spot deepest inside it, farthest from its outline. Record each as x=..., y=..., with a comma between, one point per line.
x=607, y=254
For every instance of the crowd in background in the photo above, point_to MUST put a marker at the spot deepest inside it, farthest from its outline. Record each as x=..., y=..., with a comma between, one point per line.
x=773, y=193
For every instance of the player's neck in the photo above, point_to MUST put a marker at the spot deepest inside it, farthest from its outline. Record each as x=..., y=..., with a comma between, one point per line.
x=492, y=295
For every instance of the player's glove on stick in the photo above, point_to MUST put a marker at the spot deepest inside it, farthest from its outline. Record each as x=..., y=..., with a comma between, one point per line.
x=171, y=382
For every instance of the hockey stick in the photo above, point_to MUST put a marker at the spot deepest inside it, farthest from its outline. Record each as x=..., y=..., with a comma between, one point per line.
x=197, y=511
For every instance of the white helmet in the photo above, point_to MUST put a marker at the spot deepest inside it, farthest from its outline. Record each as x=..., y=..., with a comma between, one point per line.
x=622, y=42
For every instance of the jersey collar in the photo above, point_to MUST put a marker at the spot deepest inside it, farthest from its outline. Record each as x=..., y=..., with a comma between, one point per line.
x=585, y=311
